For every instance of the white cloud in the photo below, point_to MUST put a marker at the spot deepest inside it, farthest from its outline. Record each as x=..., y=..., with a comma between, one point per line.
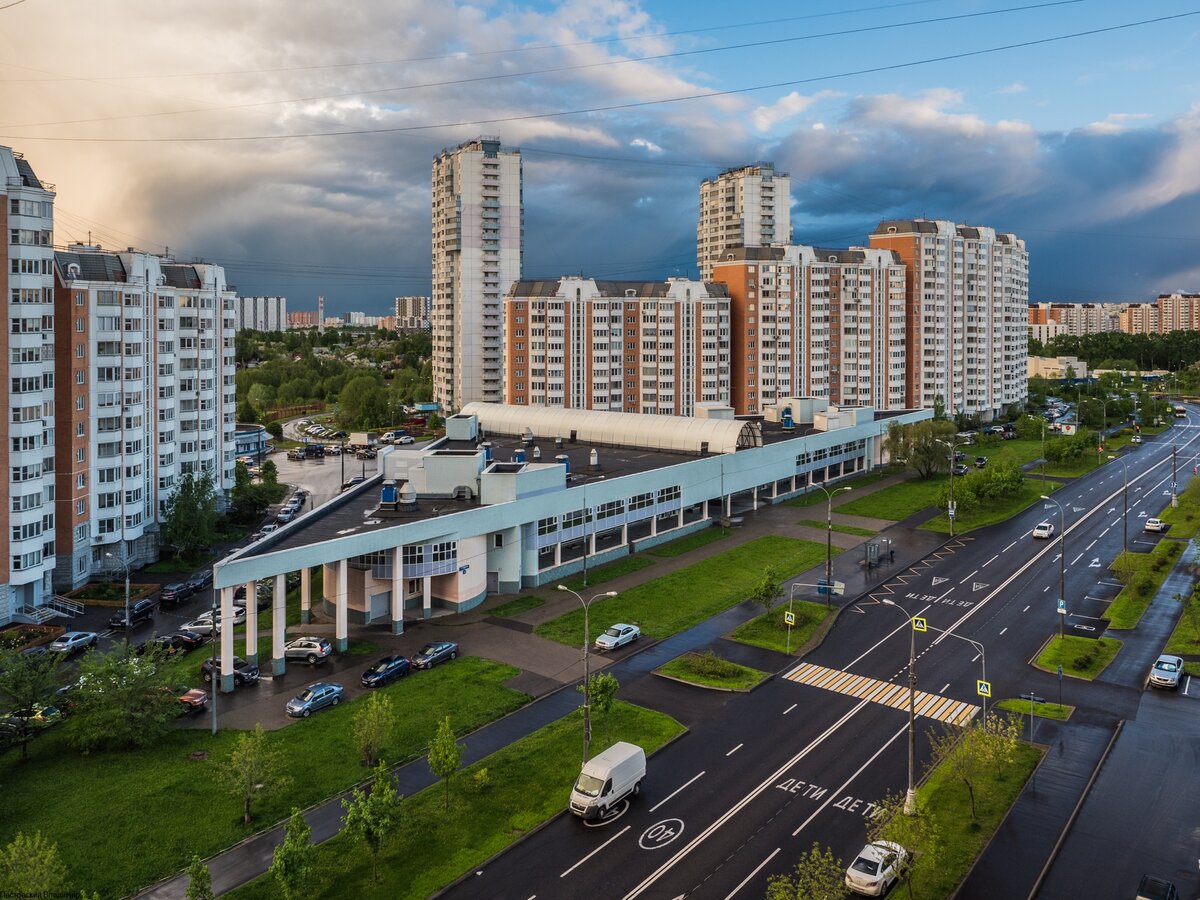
x=649, y=146
x=1114, y=123
x=1017, y=87
x=787, y=107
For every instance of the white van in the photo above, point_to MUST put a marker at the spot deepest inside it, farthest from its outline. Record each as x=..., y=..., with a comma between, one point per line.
x=608, y=779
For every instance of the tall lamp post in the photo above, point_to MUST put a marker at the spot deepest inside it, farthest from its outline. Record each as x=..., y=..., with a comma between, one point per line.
x=1062, y=559
x=910, y=796
x=1103, y=425
x=587, y=675
x=126, y=565
x=1125, y=494
x=829, y=537
x=953, y=448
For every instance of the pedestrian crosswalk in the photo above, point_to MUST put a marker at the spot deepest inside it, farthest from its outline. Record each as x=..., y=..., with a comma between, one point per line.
x=933, y=706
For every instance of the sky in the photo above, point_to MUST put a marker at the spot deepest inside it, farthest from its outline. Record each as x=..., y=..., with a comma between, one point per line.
x=292, y=142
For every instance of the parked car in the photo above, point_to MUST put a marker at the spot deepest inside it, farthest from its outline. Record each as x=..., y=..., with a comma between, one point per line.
x=176, y=592
x=203, y=624
x=200, y=580
x=35, y=719
x=874, y=870
x=72, y=642
x=365, y=454
x=296, y=454
x=1136, y=439
x=1009, y=435
x=1043, y=530
x=314, y=697
x=285, y=515
x=435, y=653
x=1167, y=672
x=959, y=456
x=618, y=636
x=387, y=669
x=981, y=462
x=194, y=701
x=1151, y=888
x=406, y=439
x=960, y=469
x=140, y=612
x=176, y=641
x=1155, y=526
x=311, y=649
x=352, y=482
x=243, y=672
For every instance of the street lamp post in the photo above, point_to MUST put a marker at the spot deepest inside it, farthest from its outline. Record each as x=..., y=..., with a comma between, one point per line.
x=1062, y=559
x=126, y=565
x=953, y=447
x=587, y=675
x=910, y=796
x=1125, y=495
x=829, y=537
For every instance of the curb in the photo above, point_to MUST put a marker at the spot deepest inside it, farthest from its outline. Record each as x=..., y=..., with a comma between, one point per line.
x=709, y=687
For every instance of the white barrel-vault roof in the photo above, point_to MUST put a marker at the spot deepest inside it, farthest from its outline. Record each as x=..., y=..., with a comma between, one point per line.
x=679, y=434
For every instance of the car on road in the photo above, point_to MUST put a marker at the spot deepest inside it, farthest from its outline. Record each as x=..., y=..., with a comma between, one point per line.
x=1155, y=526
x=314, y=697
x=176, y=592
x=876, y=868
x=618, y=636
x=175, y=642
x=435, y=653
x=1136, y=439
x=352, y=482
x=960, y=469
x=387, y=669
x=194, y=701
x=406, y=439
x=1167, y=672
x=1043, y=530
x=73, y=642
x=139, y=612
x=203, y=624
x=980, y=462
x=200, y=580
x=285, y=515
x=311, y=649
x=243, y=672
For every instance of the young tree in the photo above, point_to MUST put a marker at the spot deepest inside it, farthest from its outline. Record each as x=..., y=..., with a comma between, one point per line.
x=199, y=880
x=819, y=875
x=917, y=832
x=122, y=701
x=767, y=589
x=372, y=816
x=603, y=692
x=373, y=725
x=917, y=446
x=269, y=472
x=27, y=681
x=254, y=769
x=30, y=867
x=190, y=519
x=960, y=753
x=445, y=755
x=292, y=863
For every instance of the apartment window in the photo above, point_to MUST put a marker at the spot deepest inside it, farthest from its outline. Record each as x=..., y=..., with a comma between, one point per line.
x=548, y=526
x=445, y=552
x=413, y=555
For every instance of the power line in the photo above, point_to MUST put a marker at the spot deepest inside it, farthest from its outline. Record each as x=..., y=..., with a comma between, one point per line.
x=614, y=107
x=504, y=76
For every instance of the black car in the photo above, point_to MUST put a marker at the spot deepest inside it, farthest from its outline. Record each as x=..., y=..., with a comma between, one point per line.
x=200, y=580
x=980, y=462
x=387, y=669
x=142, y=611
x=176, y=592
x=187, y=640
x=243, y=672
x=175, y=642
x=960, y=469
x=959, y=456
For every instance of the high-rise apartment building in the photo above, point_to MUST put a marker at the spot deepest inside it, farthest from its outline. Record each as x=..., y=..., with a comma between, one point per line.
x=412, y=313
x=624, y=346
x=27, y=384
x=746, y=207
x=814, y=322
x=1073, y=318
x=1168, y=312
x=478, y=241
x=304, y=318
x=967, y=298
x=145, y=394
x=261, y=313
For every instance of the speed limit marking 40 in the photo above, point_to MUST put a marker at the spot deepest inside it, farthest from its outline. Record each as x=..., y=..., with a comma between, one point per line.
x=660, y=834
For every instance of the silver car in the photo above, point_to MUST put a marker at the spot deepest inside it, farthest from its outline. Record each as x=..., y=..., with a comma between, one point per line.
x=314, y=697
x=1167, y=672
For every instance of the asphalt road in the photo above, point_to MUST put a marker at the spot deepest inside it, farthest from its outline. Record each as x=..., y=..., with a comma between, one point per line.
x=756, y=782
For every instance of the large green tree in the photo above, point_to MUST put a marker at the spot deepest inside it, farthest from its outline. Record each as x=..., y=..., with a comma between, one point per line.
x=122, y=701
x=190, y=520
x=363, y=403
x=919, y=445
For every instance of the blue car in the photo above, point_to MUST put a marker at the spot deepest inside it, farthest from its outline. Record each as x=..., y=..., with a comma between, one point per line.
x=314, y=697
x=387, y=669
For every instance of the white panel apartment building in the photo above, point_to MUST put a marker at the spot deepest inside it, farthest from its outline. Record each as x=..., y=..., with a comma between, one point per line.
x=478, y=239
x=652, y=347
x=27, y=383
x=746, y=207
x=260, y=313
x=149, y=351
x=967, y=311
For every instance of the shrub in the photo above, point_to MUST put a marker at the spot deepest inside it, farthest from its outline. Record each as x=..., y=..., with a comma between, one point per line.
x=708, y=663
x=481, y=779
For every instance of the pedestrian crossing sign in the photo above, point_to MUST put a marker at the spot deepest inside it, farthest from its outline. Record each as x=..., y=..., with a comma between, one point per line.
x=789, y=618
x=919, y=624
x=983, y=688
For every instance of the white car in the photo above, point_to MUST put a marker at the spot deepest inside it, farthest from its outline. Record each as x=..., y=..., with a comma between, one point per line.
x=618, y=636
x=1136, y=439
x=1044, y=530
x=1155, y=525
x=204, y=623
x=72, y=642
x=406, y=439
x=876, y=868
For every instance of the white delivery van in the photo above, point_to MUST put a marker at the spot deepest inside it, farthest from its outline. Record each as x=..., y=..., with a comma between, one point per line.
x=608, y=779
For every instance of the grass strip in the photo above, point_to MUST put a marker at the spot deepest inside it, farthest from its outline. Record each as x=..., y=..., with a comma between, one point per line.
x=993, y=511
x=608, y=572
x=898, y=501
x=516, y=607
x=1185, y=639
x=1060, y=711
x=814, y=496
x=1143, y=574
x=770, y=630
x=1079, y=657
x=841, y=529
x=683, y=598
x=687, y=544
x=527, y=782
x=712, y=671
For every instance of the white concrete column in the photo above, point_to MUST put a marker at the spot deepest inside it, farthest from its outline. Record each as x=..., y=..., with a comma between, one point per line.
x=624, y=534
x=278, y=624
x=341, y=632
x=252, y=622
x=754, y=497
x=305, y=595
x=653, y=526
x=426, y=598
x=398, y=590
x=558, y=554
x=226, y=639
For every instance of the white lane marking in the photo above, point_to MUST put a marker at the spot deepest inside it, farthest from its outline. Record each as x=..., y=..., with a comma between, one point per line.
x=1025, y=535
x=945, y=688
x=1077, y=559
x=763, y=785
x=1104, y=532
x=990, y=561
x=598, y=849
x=1026, y=609
x=880, y=642
x=1004, y=629
x=1187, y=685
x=1009, y=547
x=1111, y=583
x=1091, y=545
x=785, y=712
x=674, y=792
x=734, y=750
x=1047, y=587
x=757, y=869
x=969, y=577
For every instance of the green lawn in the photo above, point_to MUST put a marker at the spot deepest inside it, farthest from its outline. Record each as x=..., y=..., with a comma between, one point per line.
x=529, y=781
x=673, y=602
x=1080, y=657
x=515, y=607
x=1042, y=710
x=989, y=513
x=898, y=501
x=815, y=496
x=1185, y=519
x=1143, y=574
x=712, y=671
x=770, y=631
x=167, y=804
x=686, y=544
x=1018, y=450
x=841, y=529
x=1185, y=639
x=608, y=572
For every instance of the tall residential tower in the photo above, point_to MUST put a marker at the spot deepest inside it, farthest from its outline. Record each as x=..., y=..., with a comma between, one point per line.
x=746, y=207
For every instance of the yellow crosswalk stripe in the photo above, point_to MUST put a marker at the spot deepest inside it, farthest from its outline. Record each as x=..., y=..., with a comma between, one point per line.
x=933, y=706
